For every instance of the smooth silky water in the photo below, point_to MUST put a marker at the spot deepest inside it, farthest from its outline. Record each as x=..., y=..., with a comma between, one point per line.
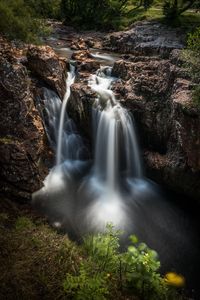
x=81, y=195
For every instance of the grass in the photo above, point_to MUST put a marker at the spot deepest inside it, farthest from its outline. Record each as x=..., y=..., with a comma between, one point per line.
x=6, y=140
x=39, y=263
x=34, y=258
x=189, y=19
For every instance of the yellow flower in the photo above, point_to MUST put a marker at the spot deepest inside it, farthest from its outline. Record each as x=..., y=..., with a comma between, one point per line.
x=174, y=279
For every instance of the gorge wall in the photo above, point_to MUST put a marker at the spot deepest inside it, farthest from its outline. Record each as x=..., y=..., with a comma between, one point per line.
x=152, y=84
x=24, y=151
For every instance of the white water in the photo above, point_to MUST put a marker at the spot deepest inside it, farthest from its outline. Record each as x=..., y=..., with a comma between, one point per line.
x=81, y=198
x=103, y=57
x=70, y=81
x=115, y=135
x=116, y=156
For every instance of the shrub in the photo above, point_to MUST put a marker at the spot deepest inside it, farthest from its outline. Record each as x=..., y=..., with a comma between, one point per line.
x=101, y=14
x=106, y=271
x=192, y=57
x=17, y=22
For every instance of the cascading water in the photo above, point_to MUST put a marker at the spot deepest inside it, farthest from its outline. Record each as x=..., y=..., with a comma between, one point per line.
x=115, y=141
x=81, y=198
x=114, y=127
x=70, y=81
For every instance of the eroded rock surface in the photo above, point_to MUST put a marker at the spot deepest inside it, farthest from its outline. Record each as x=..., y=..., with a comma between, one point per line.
x=146, y=38
x=45, y=64
x=159, y=94
x=24, y=150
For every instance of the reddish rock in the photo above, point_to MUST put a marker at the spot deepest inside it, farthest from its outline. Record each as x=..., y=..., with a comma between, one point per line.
x=146, y=38
x=45, y=64
x=24, y=152
x=160, y=97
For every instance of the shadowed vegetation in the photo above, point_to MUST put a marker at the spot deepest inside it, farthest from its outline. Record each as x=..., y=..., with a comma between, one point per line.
x=39, y=263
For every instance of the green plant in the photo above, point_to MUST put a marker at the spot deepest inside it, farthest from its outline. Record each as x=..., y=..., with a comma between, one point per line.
x=106, y=269
x=191, y=56
x=18, y=21
x=172, y=9
x=23, y=223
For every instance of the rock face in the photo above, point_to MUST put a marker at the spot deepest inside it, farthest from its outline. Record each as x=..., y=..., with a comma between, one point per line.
x=146, y=38
x=156, y=88
x=24, y=151
x=45, y=64
x=159, y=94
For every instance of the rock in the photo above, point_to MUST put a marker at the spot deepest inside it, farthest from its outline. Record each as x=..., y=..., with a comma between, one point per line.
x=146, y=38
x=85, y=62
x=25, y=155
x=79, y=44
x=81, y=55
x=168, y=121
x=45, y=64
x=22, y=138
x=80, y=107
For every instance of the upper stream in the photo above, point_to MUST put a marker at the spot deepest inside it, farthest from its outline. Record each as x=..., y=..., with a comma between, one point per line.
x=81, y=195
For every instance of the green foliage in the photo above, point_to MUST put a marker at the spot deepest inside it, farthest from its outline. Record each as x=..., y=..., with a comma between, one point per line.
x=141, y=271
x=192, y=57
x=45, y=8
x=92, y=14
x=172, y=9
x=86, y=287
x=196, y=95
x=194, y=41
x=145, y=3
x=106, y=269
x=17, y=22
x=23, y=223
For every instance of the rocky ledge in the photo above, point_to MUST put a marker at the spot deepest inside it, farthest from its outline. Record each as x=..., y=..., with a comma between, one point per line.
x=158, y=91
x=146, y=38
x=159, y=94
x=24, y=150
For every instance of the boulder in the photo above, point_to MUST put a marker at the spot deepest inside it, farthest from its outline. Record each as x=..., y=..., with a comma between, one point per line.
x=146, y=38
x=46, y=65
x=159, y=94
x=25, y=156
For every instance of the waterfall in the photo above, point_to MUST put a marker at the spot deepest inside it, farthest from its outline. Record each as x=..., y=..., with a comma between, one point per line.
x=115, y=135
x=69, y=82
x=94, y=197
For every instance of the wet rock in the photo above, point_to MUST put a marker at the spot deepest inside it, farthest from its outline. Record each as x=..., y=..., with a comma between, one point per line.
x=160, y=97
x=25, y=155
x=80, y=107
x=85, y=62
x=45, y=64
x=79, y=44
x=22, y=138
x=147, y=38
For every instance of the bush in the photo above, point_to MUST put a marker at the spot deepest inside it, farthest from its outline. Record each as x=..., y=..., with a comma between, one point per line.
x=101, y=14
x=17, y=22
x=192, y=57
x=172, y=9
x=106, y=271
x=45, y=8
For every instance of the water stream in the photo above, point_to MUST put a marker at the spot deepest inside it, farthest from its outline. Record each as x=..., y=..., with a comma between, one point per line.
x=82, y=195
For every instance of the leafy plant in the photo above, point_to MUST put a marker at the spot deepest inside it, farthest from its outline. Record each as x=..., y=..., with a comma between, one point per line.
x=106, y=269
x=17, y=21
x=192, y=58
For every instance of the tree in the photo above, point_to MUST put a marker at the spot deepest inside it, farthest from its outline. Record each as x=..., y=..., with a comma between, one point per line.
x=174, y=8
x=17, y=22
x=92, y=14
x=45, y=8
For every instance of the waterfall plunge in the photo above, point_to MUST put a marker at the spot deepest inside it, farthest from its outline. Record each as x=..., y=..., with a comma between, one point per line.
x=116, y=158
x=99, y=198
x=115, y=135
x=70, y=81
